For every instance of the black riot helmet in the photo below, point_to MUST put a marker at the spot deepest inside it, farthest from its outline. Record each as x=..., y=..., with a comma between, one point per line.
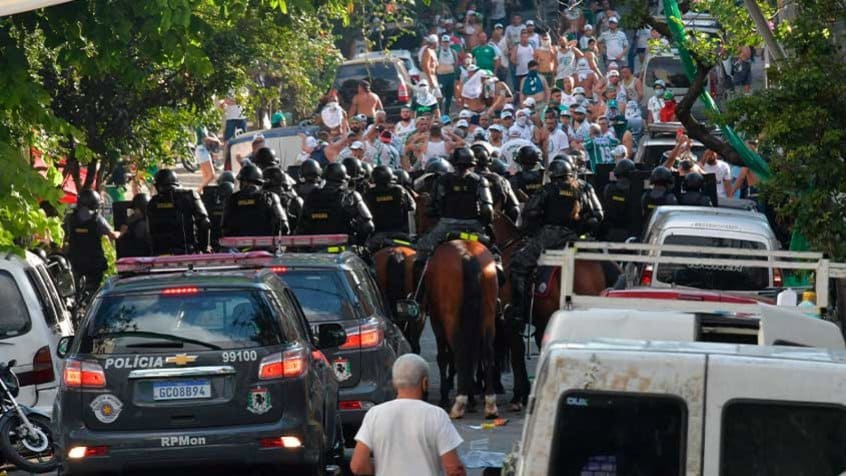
x=140, y=201
x=225, y=189
x=265, y=157
x=310, y=170
x=693, y=182
x=226, y=176
x=335, y=172
x=499, y=167
x=165, y=180
x=661, y=176
x=274, y=177
x=482, y=154
x=439, y=166
x=561, y=169
x=624, y=168
x=366, y=170
x=251, y=174
x=89, y=199
x=355, y=171
x=528, y=156
x=404, y=178
x=383, y=175
x=463, y=158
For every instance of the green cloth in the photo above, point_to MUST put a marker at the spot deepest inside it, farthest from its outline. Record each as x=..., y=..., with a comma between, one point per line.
x=485, y=56
x=599, y=150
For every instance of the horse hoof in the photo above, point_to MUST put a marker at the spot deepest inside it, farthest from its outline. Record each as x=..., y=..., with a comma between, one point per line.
x=515, y=407
x=458, y=409
x=491, y=411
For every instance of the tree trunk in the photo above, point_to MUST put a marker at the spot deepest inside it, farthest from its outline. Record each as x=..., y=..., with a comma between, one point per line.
x=92, y=172
x=840, y=285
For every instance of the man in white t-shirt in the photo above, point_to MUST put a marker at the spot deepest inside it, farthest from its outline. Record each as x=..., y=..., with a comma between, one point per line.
x=407, y=436
x=614, y=41
x=512, y=31
x=712, y=164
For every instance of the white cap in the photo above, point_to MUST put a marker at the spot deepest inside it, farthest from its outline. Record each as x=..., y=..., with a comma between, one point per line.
x=613, y=65
x=588, y=27
x=530, y=22
x=580, y=110
x=356, y=145
x=529, y=102
x=462, y=123
x=514, y=132
x=613, y=20
x=496, y=127
x=432, y=38
x=619, y=151
x=506, y=114
x=465, y=114
x=444, y=37
x=472, y=68
x=310, y=142
x=508, y=107
x=578, y=90
x=613, y=72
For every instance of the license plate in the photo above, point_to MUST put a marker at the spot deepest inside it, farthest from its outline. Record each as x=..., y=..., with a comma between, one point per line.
x=185, y=390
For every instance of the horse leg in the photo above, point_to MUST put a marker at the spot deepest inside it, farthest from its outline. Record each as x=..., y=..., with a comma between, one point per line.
x=491, y=411
x=444, y=363
x=518, y=365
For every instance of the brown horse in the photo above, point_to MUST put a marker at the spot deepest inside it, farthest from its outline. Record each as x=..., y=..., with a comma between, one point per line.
x=461, y=291
x=394, y=268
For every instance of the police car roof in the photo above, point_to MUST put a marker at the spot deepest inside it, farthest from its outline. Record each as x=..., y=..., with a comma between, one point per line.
x=234, y=278
x=315, y=260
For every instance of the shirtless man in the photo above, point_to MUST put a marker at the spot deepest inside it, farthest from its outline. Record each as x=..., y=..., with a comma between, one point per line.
x=365, y=102
x=429, y=62
x=545, y=56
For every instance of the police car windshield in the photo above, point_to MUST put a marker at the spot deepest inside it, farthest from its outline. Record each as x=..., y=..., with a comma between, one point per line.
x=727, y=278
x=321, y=294
x=206, y=320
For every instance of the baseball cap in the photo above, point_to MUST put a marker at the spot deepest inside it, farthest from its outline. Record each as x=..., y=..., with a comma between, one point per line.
x=310, y=142
x=445, y=119
x=506, y=115
x=613, y=20
x=578, y=90
x=565, y=111
x=472, y=68
x=258, y=137
x=588, y=27
x=359, y=118
x=668, y=95
x=470, y=13
x=660, y=82
x=498, y=26
x=462, y=123
x=514, y=132
x=423, y=83
x=613, y=66
x=530, y=23
x=619, y=151
x=580, y=110
x=496, y=128
x=529, y=102
x=465, y=114
x=612, y=103
x=432, y=38
x=356, y=145
x=444, y=37
x=613, y=72
x=508, y=107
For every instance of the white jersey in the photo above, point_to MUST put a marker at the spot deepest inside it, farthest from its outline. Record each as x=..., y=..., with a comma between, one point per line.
x=523, y=56
x=510, y=149
x=558, y=143
x=566, y=63
x=654, y=106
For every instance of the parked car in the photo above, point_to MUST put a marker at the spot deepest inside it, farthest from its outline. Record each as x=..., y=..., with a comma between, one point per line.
x=285, y=141
x=668, y=67
x=387, y=76
x=33, y=320
x=405, y=55
x=660, y=139
x=198, y=360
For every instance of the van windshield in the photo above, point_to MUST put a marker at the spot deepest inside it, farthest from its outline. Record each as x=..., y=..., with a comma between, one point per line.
x=14, y=320
x=613, y=434
x=782, y=438
x=321, y=294
x=212, y=320
x=670, y=69
x=724, y=278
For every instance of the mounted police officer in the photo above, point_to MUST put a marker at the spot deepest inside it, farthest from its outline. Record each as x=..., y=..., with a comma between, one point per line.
x=503, y=195
x=252, y=211
x=336, y=209
x=265, y=158
x=310, y=173
x=594, y=205
x=461, y=201
x=177, y=218
x=435, y=168
x=404, y=179
x=530, y=177
x=280, y=183
x=134, y=235
x=557, y=214
x=619, y=222
x=356, y=177
x=391, y=205
x=693, y=183
x=661, y=193
x=83, y=230
x=499, y=167
x=214, y=198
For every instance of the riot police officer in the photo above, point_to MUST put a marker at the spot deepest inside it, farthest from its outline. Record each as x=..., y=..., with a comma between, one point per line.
x=499, y=167
x=177, y=218
x=461, y=201
x=530, y=177
x=404, y=179
x=661, y=193
x=435, y=168
x=252, y=211
x=620, y=223
x=334, y=208
x=280, y=183
x=265, y=158
x=594, y=205
x=215, y=201
x=503, y=195
x=558, y=213
x=83, y=229
x=310, y=173
x=693, y=183
x=391, y=205
x=356, y=179
x=134, y=235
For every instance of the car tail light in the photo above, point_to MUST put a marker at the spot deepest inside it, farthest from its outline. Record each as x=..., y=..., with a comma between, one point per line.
x=364, y=337
x=402, y=92
x=354, y=405
x=79, y=452
x=646, y=276
x=289, y=364
x=279, y=269
x=281, y=442
x=778, y=279
x=180, y=291
x=42, y=366
x=83, y=375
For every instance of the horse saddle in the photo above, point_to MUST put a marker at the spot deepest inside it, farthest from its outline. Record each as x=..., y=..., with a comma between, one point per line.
x=544, y=275
x=468, y=236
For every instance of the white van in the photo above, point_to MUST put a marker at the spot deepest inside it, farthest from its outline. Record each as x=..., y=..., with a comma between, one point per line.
x=616, y=407
x=33, y=320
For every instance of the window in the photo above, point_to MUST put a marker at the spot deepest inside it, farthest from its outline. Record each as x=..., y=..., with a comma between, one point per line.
x=714, y=277
x=605, y=434
x=670, y=70
x=47, y=308
x=14, y=320
x=781, y=438
x=321, y=294
x=368, y=302
x=208, y=320
x=654, y=154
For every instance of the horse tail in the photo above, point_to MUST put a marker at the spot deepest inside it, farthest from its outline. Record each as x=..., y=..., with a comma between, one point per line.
x=502, y=346
x=470, y=321
x=395, y=274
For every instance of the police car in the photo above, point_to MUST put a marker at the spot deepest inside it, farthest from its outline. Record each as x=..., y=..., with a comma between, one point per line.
x=197, y=360
x=340, y=288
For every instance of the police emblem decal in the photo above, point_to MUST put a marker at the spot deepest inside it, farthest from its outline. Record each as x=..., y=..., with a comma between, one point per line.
x=342, y=368
x=258, y=401
x=106, y=408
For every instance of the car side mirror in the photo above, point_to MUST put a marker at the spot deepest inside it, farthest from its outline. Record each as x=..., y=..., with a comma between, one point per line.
x=406, y=310
x=63, y=347
x=331, y=335
x=11, y=363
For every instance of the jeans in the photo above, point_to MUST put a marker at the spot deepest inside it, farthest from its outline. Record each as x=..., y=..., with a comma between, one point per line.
x=447, y=82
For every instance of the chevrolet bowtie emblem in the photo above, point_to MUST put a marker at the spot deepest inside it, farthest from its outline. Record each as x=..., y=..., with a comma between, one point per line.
x=181, y=359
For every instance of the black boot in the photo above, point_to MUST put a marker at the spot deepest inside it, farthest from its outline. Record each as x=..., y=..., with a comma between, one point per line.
x=519, y=302
x=417, y=270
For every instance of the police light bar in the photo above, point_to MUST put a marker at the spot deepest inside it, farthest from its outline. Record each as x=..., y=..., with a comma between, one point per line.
x=252, y=259
x=292, y=241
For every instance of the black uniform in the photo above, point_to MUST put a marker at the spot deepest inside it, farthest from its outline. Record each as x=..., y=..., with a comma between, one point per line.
x=305, y=187
x=527, y=182
x=655, y=198
x=695, y=198
x=178, y=222
x=84, y=230
x=283, y=186
x=390, y=206
x=335, y=209
x=135, y=241
x=502, y=194
x=619, y=222
x=252, y=211
x=215, y=198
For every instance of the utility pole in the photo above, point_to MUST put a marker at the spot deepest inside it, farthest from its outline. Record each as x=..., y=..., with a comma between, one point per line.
x=763, y=26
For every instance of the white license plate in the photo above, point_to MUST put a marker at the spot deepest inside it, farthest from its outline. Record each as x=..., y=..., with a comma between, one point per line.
x=185, y=390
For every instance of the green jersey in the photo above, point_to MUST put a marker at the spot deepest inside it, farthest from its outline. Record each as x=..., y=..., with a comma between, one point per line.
x=485, y=56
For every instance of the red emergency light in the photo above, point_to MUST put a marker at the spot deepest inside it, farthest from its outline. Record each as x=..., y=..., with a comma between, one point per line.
x=252, y=259
x=291, y=241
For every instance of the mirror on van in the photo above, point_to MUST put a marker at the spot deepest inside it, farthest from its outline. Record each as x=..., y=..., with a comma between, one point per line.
x=62, y=278
x=331, y=335
x=406, y=310
x=63, y=347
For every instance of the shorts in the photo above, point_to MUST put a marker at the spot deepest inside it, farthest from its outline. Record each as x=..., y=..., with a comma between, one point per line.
x=202, y=154
x=232, y=125
x=640, y=51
